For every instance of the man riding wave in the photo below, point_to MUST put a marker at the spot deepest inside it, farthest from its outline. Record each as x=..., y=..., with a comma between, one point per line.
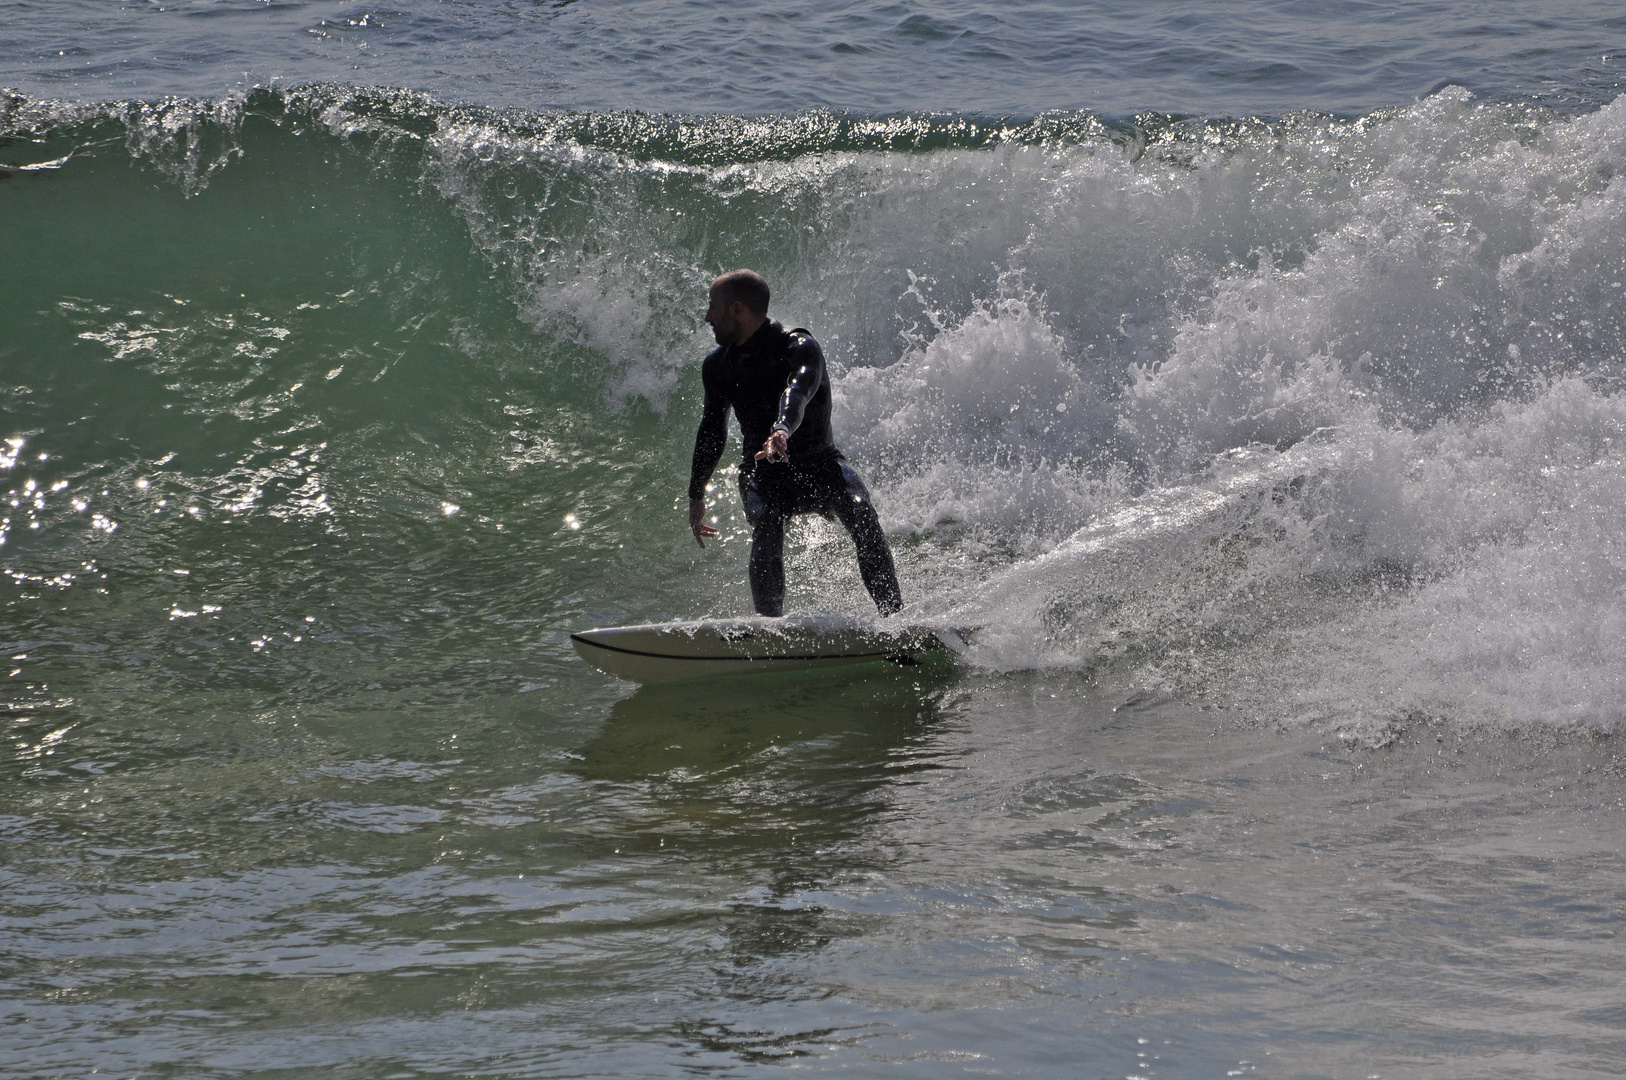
x=775, y=381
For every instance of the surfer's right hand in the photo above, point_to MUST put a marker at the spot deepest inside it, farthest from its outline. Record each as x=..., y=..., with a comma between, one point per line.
x=777, y=448
x=697, y=521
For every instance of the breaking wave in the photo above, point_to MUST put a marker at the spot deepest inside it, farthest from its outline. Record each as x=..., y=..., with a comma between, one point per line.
x=1318, y=418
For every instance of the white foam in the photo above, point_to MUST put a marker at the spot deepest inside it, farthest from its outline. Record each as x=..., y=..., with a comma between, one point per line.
x=1341, y=435
x=982, y=427
x=1471, y=573
x=1517, y=616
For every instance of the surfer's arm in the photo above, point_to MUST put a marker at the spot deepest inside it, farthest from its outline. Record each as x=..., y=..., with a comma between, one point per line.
x=708, y=451
x=708, y=443
x=807, y=375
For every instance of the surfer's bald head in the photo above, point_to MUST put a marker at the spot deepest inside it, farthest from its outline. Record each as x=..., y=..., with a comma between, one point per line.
x=746, y=287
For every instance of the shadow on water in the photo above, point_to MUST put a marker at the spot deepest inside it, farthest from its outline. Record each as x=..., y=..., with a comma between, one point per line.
x=768, y=771
x=782, y=785
x=852, y=719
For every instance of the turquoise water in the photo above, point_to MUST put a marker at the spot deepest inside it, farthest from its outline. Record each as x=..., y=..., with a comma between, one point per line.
x=1276, y=456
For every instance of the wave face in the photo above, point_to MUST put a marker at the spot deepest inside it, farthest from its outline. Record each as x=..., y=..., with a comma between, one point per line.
x=332, y=389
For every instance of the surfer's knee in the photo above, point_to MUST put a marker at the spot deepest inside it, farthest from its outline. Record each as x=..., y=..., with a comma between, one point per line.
x=768, y=532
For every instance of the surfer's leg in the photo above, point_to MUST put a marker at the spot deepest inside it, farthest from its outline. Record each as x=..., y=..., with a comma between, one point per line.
x=768, y=563
x=767, y=549
x=855, y=511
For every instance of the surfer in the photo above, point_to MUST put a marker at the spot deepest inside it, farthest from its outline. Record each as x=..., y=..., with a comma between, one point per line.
x=774, y=380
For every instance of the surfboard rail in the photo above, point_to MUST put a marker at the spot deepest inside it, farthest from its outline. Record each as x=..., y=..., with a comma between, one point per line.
x=709, y=648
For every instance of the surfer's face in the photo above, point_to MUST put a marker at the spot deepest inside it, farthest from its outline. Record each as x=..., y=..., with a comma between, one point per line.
x=724, y=317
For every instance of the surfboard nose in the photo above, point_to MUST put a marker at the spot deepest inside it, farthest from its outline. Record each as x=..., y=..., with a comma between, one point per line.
x=598, y=637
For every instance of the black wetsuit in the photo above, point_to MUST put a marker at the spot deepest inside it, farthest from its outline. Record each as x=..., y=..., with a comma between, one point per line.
x=776, y=379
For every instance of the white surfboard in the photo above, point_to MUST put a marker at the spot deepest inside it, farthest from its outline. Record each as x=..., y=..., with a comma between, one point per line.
x=679, y=651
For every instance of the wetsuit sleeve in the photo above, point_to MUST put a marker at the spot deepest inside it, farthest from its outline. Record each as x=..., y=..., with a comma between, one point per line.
x=807, y=375
x=709, y=440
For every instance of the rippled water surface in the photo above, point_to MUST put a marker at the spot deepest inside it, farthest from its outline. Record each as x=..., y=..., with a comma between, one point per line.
x=927, y=876
x=1264, y=57
x=1271, y=448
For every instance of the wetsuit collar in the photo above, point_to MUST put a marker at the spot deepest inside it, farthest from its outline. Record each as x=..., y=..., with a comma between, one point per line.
x=764, y=334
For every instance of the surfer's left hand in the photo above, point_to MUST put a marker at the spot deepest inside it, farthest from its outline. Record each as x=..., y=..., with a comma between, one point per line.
x=777, y=448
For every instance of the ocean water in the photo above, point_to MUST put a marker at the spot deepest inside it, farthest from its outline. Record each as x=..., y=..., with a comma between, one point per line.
x=1249, y=377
